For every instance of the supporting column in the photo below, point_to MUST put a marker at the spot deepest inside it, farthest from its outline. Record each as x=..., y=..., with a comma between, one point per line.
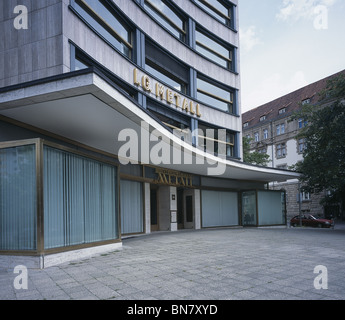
x=173, y=209
x=147, y=209
x=197, y=210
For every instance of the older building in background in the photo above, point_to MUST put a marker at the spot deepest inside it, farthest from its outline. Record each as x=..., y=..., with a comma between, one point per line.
x=272, y=132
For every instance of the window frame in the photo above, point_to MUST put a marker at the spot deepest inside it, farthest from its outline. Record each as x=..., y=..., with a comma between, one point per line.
x=281, y=150
x=183, y=34
x=211, y=53
x=231, y=104
x=210, y=9
x=98, y=19
x=280, y=129
x=230, y=143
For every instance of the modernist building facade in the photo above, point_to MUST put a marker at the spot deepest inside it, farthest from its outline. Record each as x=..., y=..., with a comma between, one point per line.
x=121, y=117
x=273, y=132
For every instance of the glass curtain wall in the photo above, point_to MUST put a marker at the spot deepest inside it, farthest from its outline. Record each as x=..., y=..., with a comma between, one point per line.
x=131, y=207
x=18, y=204
x=271, y=207
x=80, y=204
x=249, y=208
x=75, y=198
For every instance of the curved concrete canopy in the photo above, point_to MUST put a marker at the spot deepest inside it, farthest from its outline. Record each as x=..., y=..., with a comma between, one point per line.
x=86, y=108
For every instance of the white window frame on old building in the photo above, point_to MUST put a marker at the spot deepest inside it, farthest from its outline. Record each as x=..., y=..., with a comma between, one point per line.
x=300, y=145
x=281, y=150
x=301, y=123
x=265, y=134
x=305, y=196
x=256, y=137
x=282, y=110
x=280, y=129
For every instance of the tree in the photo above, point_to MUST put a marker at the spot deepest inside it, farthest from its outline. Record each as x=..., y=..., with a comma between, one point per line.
x=255, y=157
x=323, y=165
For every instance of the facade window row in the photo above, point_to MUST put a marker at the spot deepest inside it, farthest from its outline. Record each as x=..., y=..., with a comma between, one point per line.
x=223, y=11
x=102, y=16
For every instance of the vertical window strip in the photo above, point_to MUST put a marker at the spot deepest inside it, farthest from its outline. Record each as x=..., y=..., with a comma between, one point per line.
x=87, y=188
x=167, y=17
x=217, y=10
x=214, y=50
x=18, y=194
x=106, y=24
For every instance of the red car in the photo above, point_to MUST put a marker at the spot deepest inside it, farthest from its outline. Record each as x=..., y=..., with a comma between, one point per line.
x=311, y=221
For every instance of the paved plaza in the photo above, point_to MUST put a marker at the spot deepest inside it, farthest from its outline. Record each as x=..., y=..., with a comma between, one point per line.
x=212, y=264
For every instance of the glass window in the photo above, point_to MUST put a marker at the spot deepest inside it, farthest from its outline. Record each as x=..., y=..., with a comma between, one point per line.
x=249, y=208
x=179, y=126
x=271, y=208
x=218, y=10
x=256, y=136
x=167, y=16
x=131, y=211
x=216, y=141
x=166, y=67
x=79, y=64
x=281, y=150
x=80, y=200
x=301, y=123
x=214, y=50
x=18, y=206
x=107, y=23
x=301, y=145
x=215, y=96
x=280, y=129
x=165, y=76
x=265, y=134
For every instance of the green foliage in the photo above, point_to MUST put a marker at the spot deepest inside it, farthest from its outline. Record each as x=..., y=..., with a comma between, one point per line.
x=323, y=167
x=255, y=157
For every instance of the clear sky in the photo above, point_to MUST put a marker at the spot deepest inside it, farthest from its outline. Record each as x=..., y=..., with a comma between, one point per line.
x=288, y=44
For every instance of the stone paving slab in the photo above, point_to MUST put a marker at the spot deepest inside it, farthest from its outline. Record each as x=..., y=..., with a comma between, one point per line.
x=210, y=264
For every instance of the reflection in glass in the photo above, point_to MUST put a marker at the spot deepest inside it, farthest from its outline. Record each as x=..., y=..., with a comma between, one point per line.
x=249, y=208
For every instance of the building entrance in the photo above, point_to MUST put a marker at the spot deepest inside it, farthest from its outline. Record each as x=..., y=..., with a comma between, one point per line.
x=154, y=208
x=185, y=210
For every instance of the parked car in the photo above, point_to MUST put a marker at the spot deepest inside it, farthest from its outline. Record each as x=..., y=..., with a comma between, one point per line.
x=311, y=221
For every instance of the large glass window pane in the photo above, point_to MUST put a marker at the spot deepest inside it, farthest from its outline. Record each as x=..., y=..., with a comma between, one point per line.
x=214, y=50
x=219, y=208
x=215, y=96
x=107, y=24
x=166, y=16
x=168, y=79
x=249, y=208
x=18, y=206
x=131, y=207
x=271, y=208
x=217, y=9
x=80, y=200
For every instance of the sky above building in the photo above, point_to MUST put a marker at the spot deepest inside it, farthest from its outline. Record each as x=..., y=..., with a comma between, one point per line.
x=288, y=44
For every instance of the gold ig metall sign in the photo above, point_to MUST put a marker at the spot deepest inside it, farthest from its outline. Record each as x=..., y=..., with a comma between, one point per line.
x=163, y=93
x=173, y=178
